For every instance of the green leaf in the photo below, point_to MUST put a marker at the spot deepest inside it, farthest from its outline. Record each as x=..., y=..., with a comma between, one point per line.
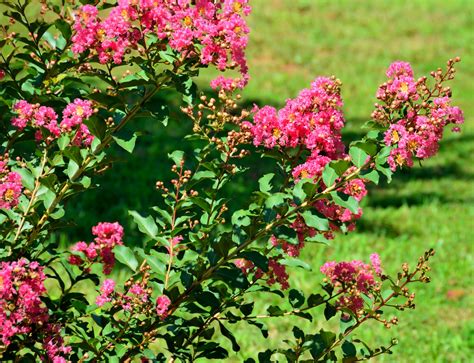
x=381, y=157
x=185, y=85
x=27, y=178
x=126, y=256
x=329, y=311
x=72, y=168
x=226, y=332
x=358, y=156
x=247, y=309
x=241, y=218
x=97, y=126
x=313, y=220
x=372, y=176
x=48, y=198
x=127, y=145
x=159, y=111
x=64, y=27
x=274, y=310
x=369, y=146
x=315, y=300
x=329, y=175
x=373, y=134
x=333, y=170
x=203, y=174
x=350, y=203
x=385, y=171
x=176, y=156
x=304, y=188
x=167, y=55
x=294, y=262
x=349, y=349
x=145, y=225
x=58, y=213
x=275, y=200
x=153, y=260
x=63, y=141
x=264, y=182
x=296, y=298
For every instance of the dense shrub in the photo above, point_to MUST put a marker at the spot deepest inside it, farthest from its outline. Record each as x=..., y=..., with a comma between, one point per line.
x=73, y=76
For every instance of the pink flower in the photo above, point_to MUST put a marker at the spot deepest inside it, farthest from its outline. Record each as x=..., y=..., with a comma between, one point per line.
x=353, y=279
x=10, y=190
x=356, y=188
x=108, y=234
x=398, y=158
x=415, y=129
x=277, y=273
x=75, y=113
x=136, y=289
x=106, y=289
x=394, y=134
x=173, y=243
x=139, y=291
x=162, y=304
x=375, y=261
x=75, y=260
x=25, y=114
x=312, y=168
x=313, y=121
x=108, y=286
x=290, y=249
x=21, y=308
x=404, y=88
x=73, y=121
x=245, y=265
x=214, y=33
x=399, y=68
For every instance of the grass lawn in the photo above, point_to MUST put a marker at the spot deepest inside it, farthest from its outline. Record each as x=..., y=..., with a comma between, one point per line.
x=293, y=41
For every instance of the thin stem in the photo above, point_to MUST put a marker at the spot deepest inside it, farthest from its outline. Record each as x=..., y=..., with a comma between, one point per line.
x=33, y=195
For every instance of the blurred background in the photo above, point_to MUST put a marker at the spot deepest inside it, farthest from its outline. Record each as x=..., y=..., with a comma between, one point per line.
x=292, y=42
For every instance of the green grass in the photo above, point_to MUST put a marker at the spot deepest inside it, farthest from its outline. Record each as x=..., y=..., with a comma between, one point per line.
x=292, y=42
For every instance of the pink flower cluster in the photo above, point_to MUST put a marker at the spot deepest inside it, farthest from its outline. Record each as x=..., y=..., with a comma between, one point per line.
x=45, y=121
x=134, y=299
x=418, y=127
x=313, y=121
x=10, y=185
x=108, y=235
x=21, y=308
x=107, y=289
x=276, y=271
x=215, y=31
x=353, y=279
x=163, y=303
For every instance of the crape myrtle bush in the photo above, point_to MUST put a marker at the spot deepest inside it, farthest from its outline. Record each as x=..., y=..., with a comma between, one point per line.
x=73, y=74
